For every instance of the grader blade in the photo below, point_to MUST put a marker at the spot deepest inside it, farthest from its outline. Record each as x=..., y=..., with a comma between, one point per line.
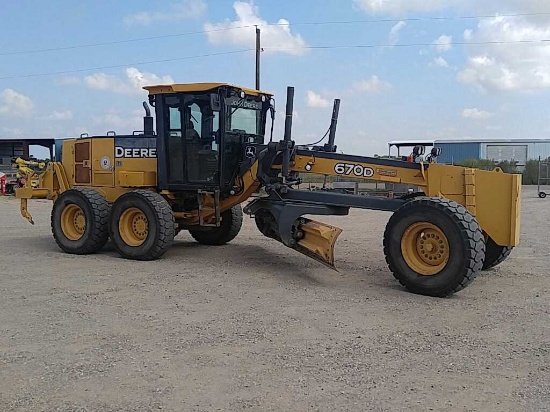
x=318, y=241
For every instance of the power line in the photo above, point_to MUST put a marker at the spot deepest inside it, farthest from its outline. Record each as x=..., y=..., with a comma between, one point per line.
x=124, y=65
x=371, y=46
x=305, y=23
x=409, y=19
x=353, y=46
x=108, y=43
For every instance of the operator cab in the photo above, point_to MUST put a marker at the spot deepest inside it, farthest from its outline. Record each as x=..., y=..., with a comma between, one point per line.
x=205, y=131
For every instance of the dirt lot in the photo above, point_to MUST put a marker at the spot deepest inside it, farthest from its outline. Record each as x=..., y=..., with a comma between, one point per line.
x=253, y=325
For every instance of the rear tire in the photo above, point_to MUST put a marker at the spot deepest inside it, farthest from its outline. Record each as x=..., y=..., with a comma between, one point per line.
x=542, y=195
x=230, y=226
x=79, y=220
x=495, y=254
x=434, y=246
x=142, y=225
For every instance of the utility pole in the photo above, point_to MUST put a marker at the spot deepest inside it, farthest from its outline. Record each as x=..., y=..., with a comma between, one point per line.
x=258, y=51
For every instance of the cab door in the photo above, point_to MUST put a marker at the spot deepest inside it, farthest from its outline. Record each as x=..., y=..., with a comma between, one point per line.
x=190, y=146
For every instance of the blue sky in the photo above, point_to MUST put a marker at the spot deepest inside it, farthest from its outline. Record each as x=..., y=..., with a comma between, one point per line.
x=440, y=89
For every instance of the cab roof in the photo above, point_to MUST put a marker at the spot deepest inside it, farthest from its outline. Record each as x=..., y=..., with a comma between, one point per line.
x=199, y=87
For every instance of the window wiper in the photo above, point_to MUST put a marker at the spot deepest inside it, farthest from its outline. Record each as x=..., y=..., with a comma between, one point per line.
x=237, y=108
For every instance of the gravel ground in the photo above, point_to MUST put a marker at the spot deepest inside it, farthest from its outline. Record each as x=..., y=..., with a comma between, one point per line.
x=254, y=325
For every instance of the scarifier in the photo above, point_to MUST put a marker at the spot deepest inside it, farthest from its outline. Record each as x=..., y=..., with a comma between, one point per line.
x=209, y=154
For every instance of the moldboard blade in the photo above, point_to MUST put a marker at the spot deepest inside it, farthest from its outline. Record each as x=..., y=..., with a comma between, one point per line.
x=318, y=241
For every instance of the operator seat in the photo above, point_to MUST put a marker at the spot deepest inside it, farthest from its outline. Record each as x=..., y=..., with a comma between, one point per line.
x=193, y=146
x=191, y=134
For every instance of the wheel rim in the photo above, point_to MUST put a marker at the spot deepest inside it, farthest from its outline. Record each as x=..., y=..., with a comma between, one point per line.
x=73, y=222
x=425, y=248
x=133, y=226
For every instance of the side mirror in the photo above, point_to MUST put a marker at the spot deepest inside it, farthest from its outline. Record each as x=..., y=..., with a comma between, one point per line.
x=272, y=113
x=215, y=103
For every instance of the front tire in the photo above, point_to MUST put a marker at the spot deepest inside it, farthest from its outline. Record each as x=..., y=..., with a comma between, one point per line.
x=495, y=254
x=79, y=221
x=542, y=195
x=230, y=226
x=142, y=225
x=434, y=246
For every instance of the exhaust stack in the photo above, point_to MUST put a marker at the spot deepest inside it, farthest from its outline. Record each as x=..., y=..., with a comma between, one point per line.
x=330, y=146
x=288, y=131
x=148, y=129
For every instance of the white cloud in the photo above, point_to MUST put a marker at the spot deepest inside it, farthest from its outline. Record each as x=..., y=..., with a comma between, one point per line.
x=491, y=66
x=372, y=85
x=394, y=32
x=476, y=114
x=296, y=118
x=316, y=100
x=404, y=7
x=68, y=80
x=131, y=83
x=15, y=104
x=119, y=123
x=443, y=43
x=275, y=38
x=59, y=115
x=186, y=9
x=11, y=132
x=440, y=62
x=400, y=7
x=522, y=67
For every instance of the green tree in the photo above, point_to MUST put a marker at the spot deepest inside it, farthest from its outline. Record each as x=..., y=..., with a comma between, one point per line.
x=531, y=172
x=483, y=164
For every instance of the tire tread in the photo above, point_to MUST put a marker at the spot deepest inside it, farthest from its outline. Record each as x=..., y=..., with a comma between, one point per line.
x=495, y=259
x=221, y=235
x=164, y=217
x=100, y=228
x=471, y=234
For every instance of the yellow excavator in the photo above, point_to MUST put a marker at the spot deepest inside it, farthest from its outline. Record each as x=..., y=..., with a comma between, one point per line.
x=210, y=152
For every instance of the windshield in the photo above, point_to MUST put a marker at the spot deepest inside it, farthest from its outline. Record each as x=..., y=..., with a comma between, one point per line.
x=246, y=120
x=244, y=116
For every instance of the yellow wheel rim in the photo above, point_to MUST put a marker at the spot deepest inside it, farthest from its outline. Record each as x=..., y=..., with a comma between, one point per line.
x=133, y=226
x=73, y=222
x=425, y=248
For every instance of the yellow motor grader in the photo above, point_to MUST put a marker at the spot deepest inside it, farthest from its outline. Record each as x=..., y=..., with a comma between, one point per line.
x=209, y=153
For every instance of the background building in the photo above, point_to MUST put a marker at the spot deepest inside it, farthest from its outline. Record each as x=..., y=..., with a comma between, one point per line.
x=499, y=150
x=10, y=148
x=518, y=150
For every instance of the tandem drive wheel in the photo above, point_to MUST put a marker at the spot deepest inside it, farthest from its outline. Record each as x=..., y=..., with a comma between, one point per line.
x=434, y=246
x=142, y=225
x=80, y=221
